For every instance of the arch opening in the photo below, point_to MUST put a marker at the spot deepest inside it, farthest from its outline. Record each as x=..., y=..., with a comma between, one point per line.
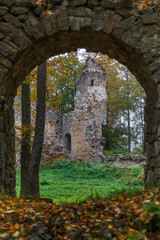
x=67, y=142
x=67, y=147
x=142, y=75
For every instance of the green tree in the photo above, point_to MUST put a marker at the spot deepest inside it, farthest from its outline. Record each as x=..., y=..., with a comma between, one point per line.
x=114, y=130
x=128, y=106
x=63, y=73
x=126, y=99
x=134, y=99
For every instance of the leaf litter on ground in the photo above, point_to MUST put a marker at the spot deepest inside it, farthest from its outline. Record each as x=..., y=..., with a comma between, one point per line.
x=121, y=217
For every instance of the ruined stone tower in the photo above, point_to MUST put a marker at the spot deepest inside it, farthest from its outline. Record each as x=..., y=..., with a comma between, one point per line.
x=90, y=111
x=80, y=135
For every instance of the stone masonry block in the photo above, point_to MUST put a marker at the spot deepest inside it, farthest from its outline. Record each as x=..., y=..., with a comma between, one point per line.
x=47, y=22
x=98, y=22
x=19, y=10
x=151, y=18
x=3, y=10
x=108, y=4
x=157, y=77
x=155, y=66
x=123, y=26
x=11, y=19
x=63, y=19
x=76, y=2
x=110, y=20
x=25, y=3
x=17, y=35
x=75, y=23
x=8, y=3
x=80, y=12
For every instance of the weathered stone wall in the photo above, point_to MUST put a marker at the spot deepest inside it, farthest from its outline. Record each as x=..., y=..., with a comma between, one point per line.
x=68, y=141
x=89, y=114
x=53, y=133
x=28, y=36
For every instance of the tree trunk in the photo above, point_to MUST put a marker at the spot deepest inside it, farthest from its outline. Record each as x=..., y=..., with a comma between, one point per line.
x=107, y=140
x=26, y=141
x=129, y=130
x=34, y=163
x=128, y=112
x=142, y=122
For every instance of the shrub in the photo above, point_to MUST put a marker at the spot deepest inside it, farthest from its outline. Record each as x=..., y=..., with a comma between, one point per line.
x=115, y=151
x=137, y=150
x=54, y=161
x=136, y=171
x=47, y=163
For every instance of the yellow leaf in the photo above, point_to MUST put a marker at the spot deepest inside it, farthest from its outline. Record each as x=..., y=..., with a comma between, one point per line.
x=68, y=228
x=4, y=235
x=13, y=228
x=111, y=227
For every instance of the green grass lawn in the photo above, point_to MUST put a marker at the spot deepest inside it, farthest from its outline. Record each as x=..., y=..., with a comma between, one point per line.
x=67, y=182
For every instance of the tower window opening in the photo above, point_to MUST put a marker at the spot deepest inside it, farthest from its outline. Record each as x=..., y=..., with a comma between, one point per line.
x=92, y=83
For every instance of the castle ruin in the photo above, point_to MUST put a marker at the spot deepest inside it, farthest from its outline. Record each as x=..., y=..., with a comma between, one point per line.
x=79, y=133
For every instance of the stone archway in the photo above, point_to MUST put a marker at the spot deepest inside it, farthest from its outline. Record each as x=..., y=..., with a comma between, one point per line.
x=28, y=36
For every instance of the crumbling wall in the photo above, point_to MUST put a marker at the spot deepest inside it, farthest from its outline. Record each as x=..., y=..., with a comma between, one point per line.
x=53, y=133
x=89, y=114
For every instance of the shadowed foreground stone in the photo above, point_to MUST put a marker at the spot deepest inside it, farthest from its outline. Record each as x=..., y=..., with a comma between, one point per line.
x=41, y=233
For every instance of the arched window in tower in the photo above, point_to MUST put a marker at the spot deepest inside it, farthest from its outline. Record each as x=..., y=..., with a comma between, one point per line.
x=68, y=142
x=92, y=83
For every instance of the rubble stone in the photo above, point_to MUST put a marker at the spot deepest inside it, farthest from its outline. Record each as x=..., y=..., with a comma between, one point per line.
x=126, y=160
